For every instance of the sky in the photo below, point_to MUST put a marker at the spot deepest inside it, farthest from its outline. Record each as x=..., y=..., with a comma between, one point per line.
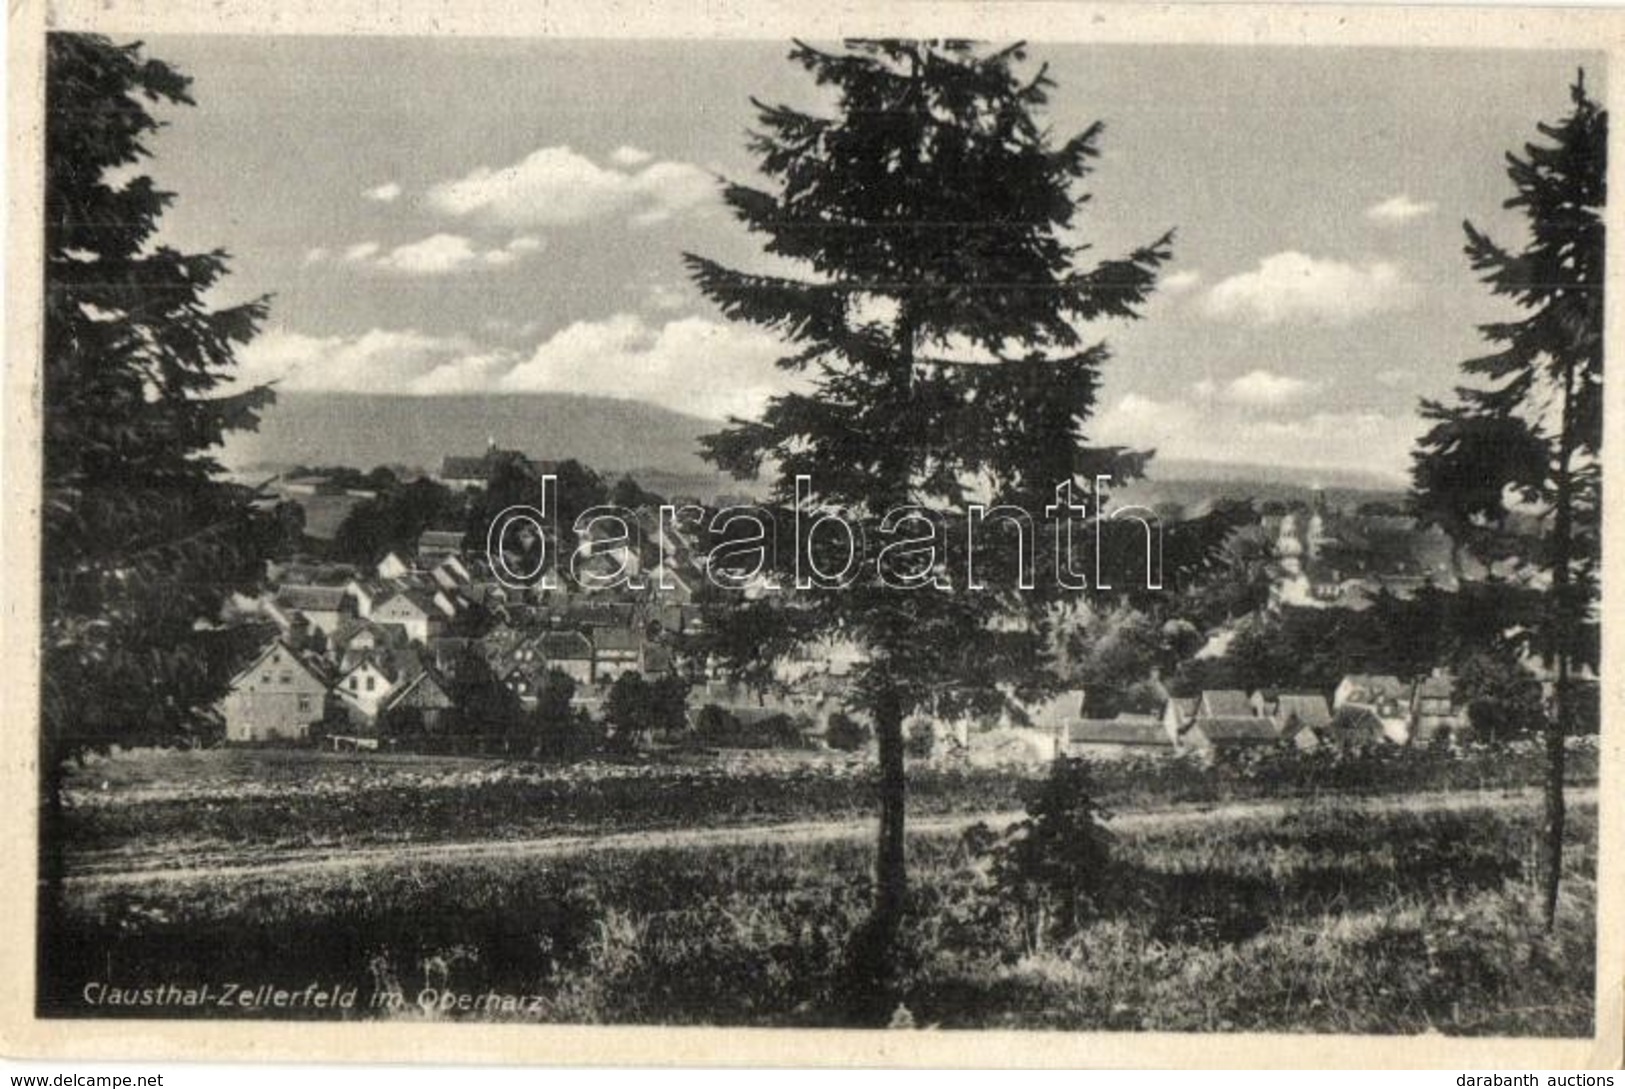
x=436, y=216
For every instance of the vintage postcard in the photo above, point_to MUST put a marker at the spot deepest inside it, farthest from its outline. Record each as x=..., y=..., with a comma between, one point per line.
x=966, y=534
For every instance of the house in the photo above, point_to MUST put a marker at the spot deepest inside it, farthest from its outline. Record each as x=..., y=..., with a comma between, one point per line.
x=1177, y=715
x=358, y=638
x=1298, y=711
x=393, y=567
x=569, y=652
x=1384, y=695
x=616, y=650
x=420, y=698
x=1223, y=703
x=1368, y=689
x=416, y=611
x=1263, y=702
x=324, y=607
x=1116, y=738
x=435, y=544
x=1434, y=714
x=277, y=697
x=1214, y=734
x=366, y=684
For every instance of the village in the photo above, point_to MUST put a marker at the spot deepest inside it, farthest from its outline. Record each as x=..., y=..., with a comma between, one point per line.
x=387, y=657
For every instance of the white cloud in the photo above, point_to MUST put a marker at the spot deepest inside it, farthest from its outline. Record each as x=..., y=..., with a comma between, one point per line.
x=1400, y=209
x=627, y=155
x=438, y=255
x=1261, y=387
x=1177, y=282
x=555, y=186
x=1294, y=287
x=691, y=364
x=385, y=193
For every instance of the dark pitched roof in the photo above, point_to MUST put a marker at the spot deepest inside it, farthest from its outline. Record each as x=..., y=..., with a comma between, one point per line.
x=308, y=662
x=1117, y=731
x=423, y=677
x=441, y=540
x=616, y=638
x=1224, y=703
x=565, y=646
x=1369, y=687
x=309, y=599
x=1352, y=726
x=1238, y=728
x=1306, y=708
x=422, y=600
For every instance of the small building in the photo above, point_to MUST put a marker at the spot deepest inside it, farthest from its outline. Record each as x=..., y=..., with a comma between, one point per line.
x=1223, y=703
x=1350, y=727
x=616, y=651
x=1211, y=735
x=324, y=607
x=1177, y=715
x=277, y=697
x=1434, y=714
x=1368, y=689
x=1298, y=711
x=367, y=684
x=436, y=544
x=421, y=698
x=569, y=652
x=392, y=566
x=1384, y=696
x=416, y=611
x=1116, y=738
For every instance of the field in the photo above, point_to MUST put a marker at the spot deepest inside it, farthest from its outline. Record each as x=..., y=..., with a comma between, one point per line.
x=687, y=897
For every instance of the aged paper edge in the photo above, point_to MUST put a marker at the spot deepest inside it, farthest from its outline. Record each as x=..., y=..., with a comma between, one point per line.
x=22, y=1035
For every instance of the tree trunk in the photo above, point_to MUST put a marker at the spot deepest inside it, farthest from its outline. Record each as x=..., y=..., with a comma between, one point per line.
x=891, y=875
x=1559, y=636
x=1552, y=826
x=51, y=901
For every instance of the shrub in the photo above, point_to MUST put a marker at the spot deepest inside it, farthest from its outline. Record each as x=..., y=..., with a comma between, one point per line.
x=719, y=727
x=1054, y=866
x=921, y=741
x=846, y=733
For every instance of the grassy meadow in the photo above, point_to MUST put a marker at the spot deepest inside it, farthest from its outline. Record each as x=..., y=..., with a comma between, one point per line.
x=1339, y=916
x=164, y=808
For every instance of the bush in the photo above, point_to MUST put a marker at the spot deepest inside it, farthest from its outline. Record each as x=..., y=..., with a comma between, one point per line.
x=1053, y=867
x=921, y=741
x=719, y=727
x=846, y=733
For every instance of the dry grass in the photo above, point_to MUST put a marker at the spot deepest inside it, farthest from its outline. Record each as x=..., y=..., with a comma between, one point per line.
x=1331, y=920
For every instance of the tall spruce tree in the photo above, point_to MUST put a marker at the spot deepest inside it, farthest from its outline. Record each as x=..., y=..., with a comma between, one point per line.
x=1532, y=424
x=937, y=339
x=141, y=540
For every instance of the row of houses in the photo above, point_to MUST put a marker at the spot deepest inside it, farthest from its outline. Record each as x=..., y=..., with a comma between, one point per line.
x=1365, y=709
x=357, y=645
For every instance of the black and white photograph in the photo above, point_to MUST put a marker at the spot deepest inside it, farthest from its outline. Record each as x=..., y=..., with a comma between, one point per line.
x=916, y=533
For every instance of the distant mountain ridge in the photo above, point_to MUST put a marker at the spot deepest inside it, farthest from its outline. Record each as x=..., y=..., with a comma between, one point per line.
x=615, y=436
x=366, y=429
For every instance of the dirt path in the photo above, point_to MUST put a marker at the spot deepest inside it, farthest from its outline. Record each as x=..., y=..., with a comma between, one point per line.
x=272, y=863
